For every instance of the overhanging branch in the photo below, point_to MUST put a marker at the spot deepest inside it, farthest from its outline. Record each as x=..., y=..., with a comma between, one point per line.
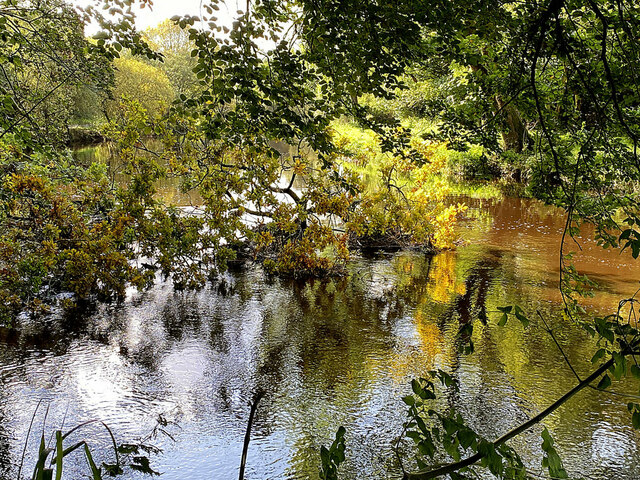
x=467, y=462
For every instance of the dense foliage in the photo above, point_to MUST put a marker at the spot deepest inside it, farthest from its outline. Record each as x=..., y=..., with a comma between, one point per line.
x=251, y=133
x=175, y=46
x=149, y=85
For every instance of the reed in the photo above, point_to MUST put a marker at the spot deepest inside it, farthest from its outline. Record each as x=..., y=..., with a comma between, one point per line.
x=51, y=460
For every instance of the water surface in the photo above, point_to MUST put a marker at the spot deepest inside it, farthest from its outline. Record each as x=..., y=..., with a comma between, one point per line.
x=330, y=353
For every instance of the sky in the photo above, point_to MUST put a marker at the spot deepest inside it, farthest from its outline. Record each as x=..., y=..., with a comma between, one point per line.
x=163, y=9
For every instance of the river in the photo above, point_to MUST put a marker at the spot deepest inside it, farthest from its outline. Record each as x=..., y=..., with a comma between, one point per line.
x=329, y=353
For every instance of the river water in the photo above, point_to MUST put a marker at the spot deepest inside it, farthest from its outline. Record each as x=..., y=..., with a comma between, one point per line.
x=329, y=353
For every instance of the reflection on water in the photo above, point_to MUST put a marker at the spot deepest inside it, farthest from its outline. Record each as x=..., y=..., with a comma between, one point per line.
x=168, y=189
x=329, y=353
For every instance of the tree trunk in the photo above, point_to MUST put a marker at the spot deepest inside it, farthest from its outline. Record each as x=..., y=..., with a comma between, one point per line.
x=514, y=132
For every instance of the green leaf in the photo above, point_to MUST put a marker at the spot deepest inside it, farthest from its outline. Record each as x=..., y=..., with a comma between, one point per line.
x=409, y=400
x=96, y=472
x=466, y=437
x=598, y=355
x=59, y=455
x=449, y=425
x=620, y=365
x=551, y=459
x=635, y=420
x=604, y=383
x=422, y=426
x=40, y=472
x=519, y=313
x=324, y=454
x=427, y=447
x=415, y=386
x=547, y=440
x=445, y=378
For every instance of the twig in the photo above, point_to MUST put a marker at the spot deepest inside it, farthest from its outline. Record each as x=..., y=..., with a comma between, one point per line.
x=453, y=467
x=397, y=449
x=550, y=332
x=247, y=435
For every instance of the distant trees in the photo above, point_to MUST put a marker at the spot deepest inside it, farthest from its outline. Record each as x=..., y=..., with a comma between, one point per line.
x=175, y=46
x=146, y=84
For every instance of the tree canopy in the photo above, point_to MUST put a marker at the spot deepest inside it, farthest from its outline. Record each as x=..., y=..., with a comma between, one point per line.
x=175, y=46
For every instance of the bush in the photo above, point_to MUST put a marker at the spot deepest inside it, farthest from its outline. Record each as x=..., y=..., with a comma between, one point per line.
x=473, y=164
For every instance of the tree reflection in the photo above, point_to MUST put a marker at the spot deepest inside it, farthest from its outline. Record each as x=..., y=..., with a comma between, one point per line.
x=472, y=304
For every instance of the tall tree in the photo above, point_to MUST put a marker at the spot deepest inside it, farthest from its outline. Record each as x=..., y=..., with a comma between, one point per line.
x=175, y=46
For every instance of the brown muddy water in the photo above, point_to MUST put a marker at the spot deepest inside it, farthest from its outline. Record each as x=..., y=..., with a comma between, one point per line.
x=330, y=353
